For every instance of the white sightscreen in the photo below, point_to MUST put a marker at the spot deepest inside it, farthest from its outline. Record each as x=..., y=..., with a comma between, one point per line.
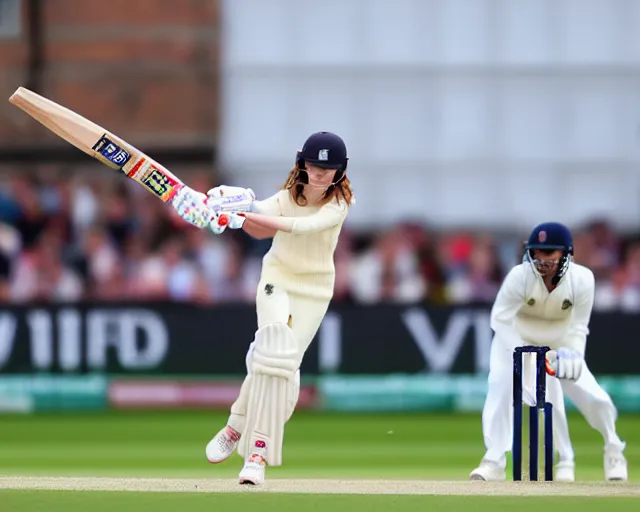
x=458, y=112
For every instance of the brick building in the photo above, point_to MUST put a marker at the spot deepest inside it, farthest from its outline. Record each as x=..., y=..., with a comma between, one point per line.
x=145, y=69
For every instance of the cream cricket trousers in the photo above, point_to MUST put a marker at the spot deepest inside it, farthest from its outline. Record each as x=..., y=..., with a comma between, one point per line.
x=275, y=305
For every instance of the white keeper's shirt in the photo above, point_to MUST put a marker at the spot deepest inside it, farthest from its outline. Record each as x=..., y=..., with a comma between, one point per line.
x=526, y=313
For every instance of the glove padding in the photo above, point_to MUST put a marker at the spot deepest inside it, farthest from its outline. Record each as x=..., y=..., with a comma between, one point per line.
x=236, y=220
x=229, y=220
x=230, y=199
x=192, y=207
x=564, y=363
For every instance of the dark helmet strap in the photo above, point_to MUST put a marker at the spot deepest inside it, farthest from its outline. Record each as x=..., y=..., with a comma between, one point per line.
x=338, y=177
x=302, y=176
x=563, y=265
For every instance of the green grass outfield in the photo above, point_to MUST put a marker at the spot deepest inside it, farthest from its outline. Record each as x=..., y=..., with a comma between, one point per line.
x=58, y=501
x=318, y=446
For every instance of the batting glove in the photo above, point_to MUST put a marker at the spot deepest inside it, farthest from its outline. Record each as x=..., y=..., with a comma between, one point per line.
x=227, y=199
x=236, y=220
x=219, y=223
x=191, y=206
x=222, y=221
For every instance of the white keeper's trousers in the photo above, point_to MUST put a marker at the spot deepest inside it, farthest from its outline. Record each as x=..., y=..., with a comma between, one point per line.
x=497, y=416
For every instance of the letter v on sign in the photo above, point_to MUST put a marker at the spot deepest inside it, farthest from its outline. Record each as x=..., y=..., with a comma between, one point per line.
x=8, y=325
x=439, y=354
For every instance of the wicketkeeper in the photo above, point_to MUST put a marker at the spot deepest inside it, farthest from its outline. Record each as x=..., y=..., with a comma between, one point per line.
x=546, y=301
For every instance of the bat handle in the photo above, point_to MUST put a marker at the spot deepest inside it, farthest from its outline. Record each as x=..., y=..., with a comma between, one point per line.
x=172, y=195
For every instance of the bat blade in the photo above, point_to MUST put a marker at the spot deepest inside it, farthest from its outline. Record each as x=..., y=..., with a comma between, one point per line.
x=98, y=143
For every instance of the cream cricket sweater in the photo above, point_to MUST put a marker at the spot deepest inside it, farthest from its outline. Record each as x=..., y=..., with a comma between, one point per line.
x=302, y=261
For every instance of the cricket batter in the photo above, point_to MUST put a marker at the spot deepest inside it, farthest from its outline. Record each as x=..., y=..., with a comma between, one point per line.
x=546, y=301
x=296, y=285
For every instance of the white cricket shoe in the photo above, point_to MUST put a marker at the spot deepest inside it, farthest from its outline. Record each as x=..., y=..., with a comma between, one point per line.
x=253, y=471
x=565, y=471
x=488, y=470
x=222, y=446
x=615, y=465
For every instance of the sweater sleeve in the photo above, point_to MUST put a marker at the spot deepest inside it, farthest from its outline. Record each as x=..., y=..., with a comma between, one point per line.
x=268, y=206
x=330, y=215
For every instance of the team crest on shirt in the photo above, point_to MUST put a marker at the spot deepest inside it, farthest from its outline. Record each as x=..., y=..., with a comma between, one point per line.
x=268, y=289
x=531, y=302
x=566, y=304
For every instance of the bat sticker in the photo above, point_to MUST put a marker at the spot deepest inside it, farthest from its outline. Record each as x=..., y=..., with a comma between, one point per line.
x=112, y=152
x=159, y=183
x=137, y=169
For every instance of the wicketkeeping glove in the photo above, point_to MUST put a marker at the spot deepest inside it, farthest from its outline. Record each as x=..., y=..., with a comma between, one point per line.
x=565, y=363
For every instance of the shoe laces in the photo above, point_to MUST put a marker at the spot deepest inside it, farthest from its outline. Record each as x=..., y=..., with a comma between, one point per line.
x=228, y=438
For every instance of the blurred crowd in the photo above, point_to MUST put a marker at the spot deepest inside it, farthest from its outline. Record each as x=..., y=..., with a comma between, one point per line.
x=94, y=236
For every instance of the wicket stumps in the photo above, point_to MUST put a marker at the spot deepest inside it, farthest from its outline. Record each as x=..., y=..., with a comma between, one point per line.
x=541, y=403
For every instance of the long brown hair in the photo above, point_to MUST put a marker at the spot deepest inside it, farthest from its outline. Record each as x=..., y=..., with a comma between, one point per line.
x=296, y=187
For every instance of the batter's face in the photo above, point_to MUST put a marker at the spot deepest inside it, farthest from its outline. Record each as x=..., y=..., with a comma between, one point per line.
x=320, y=177
x=546, y=261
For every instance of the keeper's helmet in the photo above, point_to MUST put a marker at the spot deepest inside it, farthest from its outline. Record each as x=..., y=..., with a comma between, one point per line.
x=326, y=150
x=549, y=237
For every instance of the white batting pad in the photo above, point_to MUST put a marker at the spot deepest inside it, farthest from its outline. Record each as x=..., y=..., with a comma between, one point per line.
x=274, y=363
x=294, y=394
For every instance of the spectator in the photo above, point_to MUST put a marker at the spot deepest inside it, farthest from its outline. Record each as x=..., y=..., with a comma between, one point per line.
x=99, y=237
x=480, y=281
x=167, y=275
x=389, y=271
x=40, y=274
x=623, y=290
x=344, y=261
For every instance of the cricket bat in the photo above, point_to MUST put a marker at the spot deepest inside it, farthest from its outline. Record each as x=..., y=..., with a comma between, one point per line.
x=97, y=142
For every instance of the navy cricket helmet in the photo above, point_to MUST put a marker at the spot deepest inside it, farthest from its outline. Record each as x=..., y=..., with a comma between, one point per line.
x=550, y=236
x=326, y=150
